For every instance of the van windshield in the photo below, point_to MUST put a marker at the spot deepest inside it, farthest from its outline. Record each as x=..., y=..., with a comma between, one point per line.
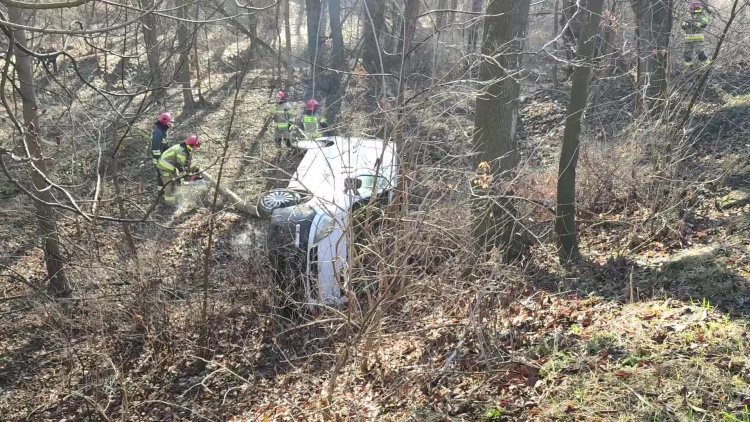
x=368, y=184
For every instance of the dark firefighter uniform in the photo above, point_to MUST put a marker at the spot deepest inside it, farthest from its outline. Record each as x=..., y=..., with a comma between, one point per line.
x=694, y=37
x=159, y=142
x=173, y=161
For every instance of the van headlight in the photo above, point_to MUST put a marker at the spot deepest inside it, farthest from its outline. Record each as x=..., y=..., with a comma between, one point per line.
x=325, y=227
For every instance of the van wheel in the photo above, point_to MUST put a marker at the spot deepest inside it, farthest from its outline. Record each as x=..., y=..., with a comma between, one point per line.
x=275, y=199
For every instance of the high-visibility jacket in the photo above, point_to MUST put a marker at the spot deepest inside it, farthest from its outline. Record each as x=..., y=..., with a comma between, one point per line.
x=312, y=123
x=159, y=142
x=282, y=116
x=695, y=26
x=176, y=158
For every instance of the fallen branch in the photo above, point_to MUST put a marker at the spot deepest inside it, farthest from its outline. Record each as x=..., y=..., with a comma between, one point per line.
x=232, y=197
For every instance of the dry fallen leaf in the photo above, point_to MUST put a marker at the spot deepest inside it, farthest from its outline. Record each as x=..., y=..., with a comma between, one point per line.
x=623, y=373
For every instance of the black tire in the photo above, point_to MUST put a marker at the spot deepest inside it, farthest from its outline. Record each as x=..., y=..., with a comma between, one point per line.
x=275, y=199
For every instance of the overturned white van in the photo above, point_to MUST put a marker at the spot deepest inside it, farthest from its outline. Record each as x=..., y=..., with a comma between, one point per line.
x=310, y=232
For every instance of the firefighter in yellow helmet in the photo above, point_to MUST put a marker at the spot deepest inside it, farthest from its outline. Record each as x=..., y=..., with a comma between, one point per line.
x=172, y=163
x=694, y=37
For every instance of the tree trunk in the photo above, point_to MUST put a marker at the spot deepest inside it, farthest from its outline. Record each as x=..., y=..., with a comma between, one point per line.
x=565, y=222
x=496, y=125
x=654, y=27
x=554, y=43
x=375, y=20
x=476, y=7
x=151, y=39
x=184, y=42
x=58, y=284
x=314, y=11
x=441, y=15
x=288, y=39
x=410, y=24
x=252, y=26
x=338, y=62
x=572, y=23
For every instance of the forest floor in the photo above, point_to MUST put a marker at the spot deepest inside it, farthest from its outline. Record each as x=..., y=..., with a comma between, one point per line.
x=651, y=326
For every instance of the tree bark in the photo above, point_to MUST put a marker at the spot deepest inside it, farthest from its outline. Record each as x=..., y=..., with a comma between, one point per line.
x=288, y=40
x=565, y=222
x=441, y=16
x=151, y=39
x=252, y=26
x=375, y=20
x=570, y=19
x=654, y=27
x=314, y=11
x=476, y=7
x=496, y=125
x=338, y=62
x=184, y=42
x=58, y=284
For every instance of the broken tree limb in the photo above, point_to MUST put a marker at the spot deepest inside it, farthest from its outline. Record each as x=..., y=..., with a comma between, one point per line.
x=232, y=197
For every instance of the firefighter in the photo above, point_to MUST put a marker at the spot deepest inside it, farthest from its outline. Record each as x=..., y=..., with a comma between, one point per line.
x=173, y=162
x=282, y=117
x=159, y=142
x=694, y=37
x=312, y=121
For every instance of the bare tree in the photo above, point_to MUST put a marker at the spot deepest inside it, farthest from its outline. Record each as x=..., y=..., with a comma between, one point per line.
x=373, y=25
x=58, y=284
x=338, y=61
x=496, y=122
x=288, y=40
x=565, y=222
x=476, y=8
x=314, y=39
x=654, y=25
x=151, y=39
x=184, y=41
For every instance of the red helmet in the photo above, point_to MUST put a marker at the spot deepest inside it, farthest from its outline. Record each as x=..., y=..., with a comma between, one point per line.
x=193, y=142
x=165, y=118
x=312, y=105
x=695, y=6
x=281, y=95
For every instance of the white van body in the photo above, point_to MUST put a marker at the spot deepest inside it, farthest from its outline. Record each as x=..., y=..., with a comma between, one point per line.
x=314, y=233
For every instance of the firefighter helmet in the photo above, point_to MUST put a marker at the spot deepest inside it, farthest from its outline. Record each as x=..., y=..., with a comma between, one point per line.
x=312, y=105
x=695, y=7
x=281, y=95
x=193, y=142
x=165, y=118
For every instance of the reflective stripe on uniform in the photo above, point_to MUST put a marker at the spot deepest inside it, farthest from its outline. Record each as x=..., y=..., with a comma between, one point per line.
x=310, y=125
x=694, y=37
x=281, y=117
x=166, y=166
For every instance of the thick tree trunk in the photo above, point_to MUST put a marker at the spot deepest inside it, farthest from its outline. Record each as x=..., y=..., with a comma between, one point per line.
x=58, y=284
x=654, y=27
x=184, y=42
x=441, y=16
x=570, y=19
x=565, y=222
x=338, y=62
x=476, y=7
x=252, y=26
x=151, y=39
x=314, y=11
x=496, y=125
x=373, y=26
